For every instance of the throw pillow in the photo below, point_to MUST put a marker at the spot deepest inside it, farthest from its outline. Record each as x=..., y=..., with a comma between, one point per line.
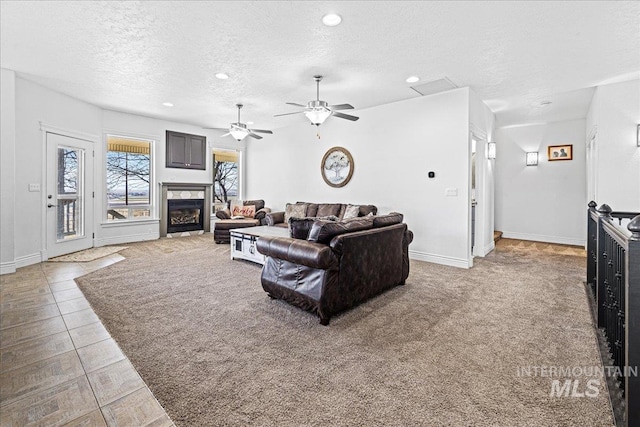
x=248, y=211
x=352, y=211
x=323, y=231
x=299, y=227
x=295, y=211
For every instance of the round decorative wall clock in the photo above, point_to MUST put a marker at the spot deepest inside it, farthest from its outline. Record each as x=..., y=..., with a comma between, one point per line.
x=337, y=167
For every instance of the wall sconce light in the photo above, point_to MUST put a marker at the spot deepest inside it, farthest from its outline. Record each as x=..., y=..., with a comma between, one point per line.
x=491, y=150
x=532, y=158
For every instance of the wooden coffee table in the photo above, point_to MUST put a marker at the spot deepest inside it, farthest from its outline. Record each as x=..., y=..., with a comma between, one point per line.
x=243, y=241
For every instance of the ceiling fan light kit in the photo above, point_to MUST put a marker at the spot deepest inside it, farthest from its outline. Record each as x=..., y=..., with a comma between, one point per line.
x=318, y=111
x=240, y=131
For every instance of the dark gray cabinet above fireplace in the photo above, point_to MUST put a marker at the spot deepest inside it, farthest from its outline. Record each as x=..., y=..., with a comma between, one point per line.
x=186, y=151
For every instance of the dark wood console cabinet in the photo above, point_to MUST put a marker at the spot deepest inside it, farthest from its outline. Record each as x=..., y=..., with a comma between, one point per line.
x=186, y=151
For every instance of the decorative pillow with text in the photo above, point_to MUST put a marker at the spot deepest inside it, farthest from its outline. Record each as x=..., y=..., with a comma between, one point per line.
x=248, y=211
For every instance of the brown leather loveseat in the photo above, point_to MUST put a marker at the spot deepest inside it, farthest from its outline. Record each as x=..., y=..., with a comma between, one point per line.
x=339, y=265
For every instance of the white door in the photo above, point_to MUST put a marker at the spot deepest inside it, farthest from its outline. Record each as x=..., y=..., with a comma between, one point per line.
x=69, y=195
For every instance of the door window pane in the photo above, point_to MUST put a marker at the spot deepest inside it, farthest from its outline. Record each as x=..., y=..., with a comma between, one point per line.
x=69, y=188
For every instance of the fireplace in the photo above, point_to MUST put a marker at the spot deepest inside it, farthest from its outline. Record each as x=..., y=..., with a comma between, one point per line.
x=185, y=209
x=185, y=215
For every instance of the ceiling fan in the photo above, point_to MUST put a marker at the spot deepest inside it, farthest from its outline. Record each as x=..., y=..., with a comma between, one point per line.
x=240, y=130
x=318, y=111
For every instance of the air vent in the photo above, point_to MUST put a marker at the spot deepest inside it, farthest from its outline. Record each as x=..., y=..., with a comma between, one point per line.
x=435, y=86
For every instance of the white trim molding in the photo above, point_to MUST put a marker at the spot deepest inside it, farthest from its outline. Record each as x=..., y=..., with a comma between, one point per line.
x=544, y=239
x=68, y=132
x=7, y=267
x=23, y=261
x=128, y=238
x=441, y=259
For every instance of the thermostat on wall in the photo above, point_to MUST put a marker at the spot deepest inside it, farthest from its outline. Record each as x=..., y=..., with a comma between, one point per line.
x=432, y=174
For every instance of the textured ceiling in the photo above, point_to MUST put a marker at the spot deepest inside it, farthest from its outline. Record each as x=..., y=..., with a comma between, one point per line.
x=133, y=56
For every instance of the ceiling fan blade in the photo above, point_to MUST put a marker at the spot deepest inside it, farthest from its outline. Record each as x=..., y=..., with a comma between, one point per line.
x=261, y=131
x=296, y=104
x=253, y=135
x=286, y=114
x=341, y=107
x=226, y=134
x=217, y=128
x=345, y=116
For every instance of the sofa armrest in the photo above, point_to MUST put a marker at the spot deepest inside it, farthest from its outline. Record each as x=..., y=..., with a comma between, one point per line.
x=262, y=213
x=274, y=218
x=298, y=251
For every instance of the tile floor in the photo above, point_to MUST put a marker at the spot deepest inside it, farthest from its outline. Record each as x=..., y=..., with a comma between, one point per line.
x=58, y=364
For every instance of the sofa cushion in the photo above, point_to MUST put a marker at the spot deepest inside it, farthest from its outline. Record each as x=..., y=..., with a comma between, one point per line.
x=351, y=211
x=323, y=231
x=299, y=210
x=386, y=220
x=368, y=209
x=223, y=214
x=326, y=209
x=299, y=227
x=312, y=210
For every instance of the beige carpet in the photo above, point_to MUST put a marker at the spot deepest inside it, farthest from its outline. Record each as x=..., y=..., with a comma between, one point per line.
x=88, y=255
x=444, y=349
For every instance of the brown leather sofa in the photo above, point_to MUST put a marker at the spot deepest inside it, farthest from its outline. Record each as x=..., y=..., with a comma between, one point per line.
x=313, y=210
x=339, y=265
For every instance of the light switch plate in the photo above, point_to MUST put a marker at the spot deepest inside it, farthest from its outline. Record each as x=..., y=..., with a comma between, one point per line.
x=34, y=187
x=451, y=192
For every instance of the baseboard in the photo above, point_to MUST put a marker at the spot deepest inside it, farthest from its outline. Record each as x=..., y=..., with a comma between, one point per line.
x=440, y=259
x=488, y=248
x=7, y=267
x=23, y=261
x=543, y=238
x=485, y=250
x=128, y=238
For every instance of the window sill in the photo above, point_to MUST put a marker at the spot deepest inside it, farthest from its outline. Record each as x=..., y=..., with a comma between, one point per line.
x=129, y=222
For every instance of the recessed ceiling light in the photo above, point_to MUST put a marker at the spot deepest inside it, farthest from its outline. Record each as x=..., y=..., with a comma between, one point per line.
x=249, y=123
x=412, y=79
x=222, y=76
x=167, y=104
x=331, y=19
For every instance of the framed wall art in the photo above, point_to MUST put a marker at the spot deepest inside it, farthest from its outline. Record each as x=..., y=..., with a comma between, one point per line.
x=560, y=152
x=337, y=167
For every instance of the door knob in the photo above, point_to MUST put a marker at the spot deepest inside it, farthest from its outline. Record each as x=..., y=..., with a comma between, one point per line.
x=50, y=205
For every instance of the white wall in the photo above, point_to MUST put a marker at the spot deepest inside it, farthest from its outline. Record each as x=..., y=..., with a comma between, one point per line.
x=482, y=122
x=7, y=170
x=34, y=105
x=27, y=105
x=154, y=129
x=614, y=116
x=394, y=146
x=547, y=202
